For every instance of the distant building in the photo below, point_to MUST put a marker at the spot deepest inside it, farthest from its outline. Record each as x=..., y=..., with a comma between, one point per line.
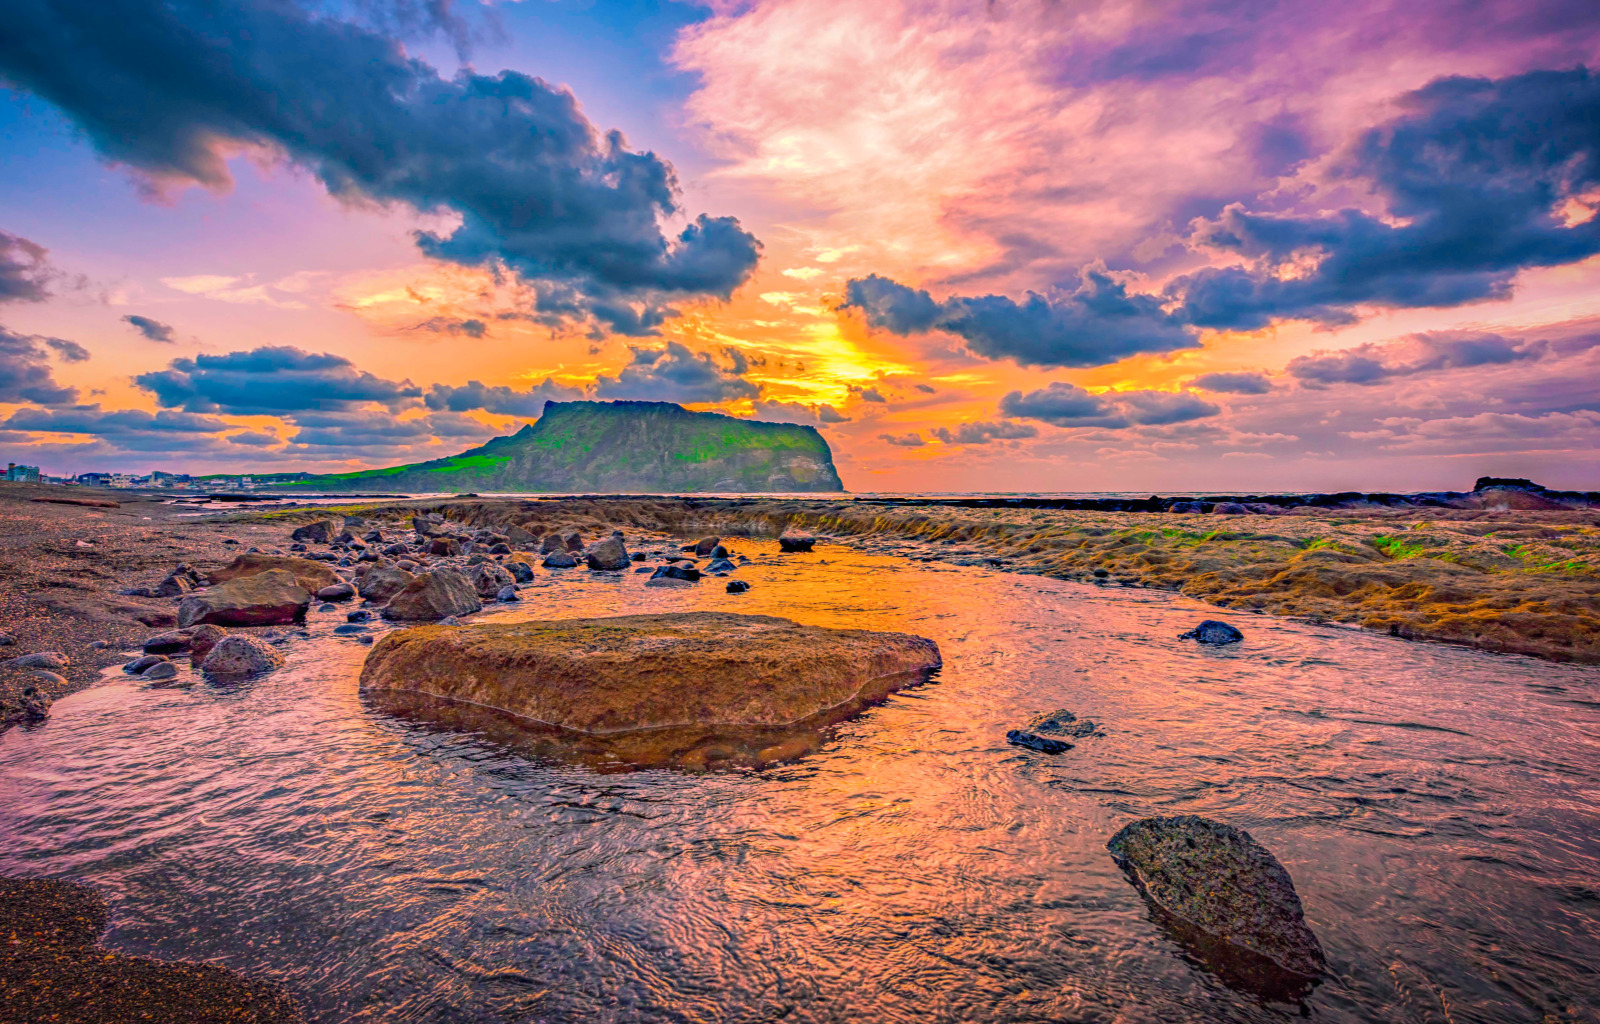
x=22, y=474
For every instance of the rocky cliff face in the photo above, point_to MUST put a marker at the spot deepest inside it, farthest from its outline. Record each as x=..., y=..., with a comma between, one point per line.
x=620, y=447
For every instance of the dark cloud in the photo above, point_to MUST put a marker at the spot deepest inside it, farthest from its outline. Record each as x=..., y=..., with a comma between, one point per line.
x=155, y=330
x=911, y=440
x=828, y=414
x=169, y=89
x=1233, y=383
x=984, y=433
x=271, y=380
x=1374, y=362
x=867, y=394
x=131, y=430
x=1096, y=323
x=68, y=351
x=926, y=389
x=25, y=270
x=254, y=439
x=472, y=328
x=1480, y=179
x=91, y=419
x=25, y=373
x=499, y=399
x=1067, y=405
x=674, y=373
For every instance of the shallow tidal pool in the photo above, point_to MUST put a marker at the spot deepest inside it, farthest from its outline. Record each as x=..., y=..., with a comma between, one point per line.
x=1438, y=808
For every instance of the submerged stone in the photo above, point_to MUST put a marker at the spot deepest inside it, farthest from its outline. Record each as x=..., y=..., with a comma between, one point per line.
x=1225, y=898
x=657, y=689
x=1214, y=633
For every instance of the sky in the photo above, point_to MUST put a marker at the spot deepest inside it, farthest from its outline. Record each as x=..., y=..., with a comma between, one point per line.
x=1014, y=245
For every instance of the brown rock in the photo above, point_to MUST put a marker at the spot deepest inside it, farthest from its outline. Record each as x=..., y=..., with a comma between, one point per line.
x=519, y=537
x=202, y=638
x=658, y=688
x=383, y=583
x=444, y=546
x=311, y=576
x=261, y=599
x=705, y=545
x=235, y=657
x=319, y=532
x=434, y=595
x=487, y=579
x=608, y=554
x=793, y=540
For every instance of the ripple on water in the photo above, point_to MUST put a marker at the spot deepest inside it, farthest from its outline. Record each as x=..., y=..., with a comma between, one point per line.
x=1436, y=807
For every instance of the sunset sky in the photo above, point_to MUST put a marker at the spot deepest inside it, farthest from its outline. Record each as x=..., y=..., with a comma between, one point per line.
x=1006, y=245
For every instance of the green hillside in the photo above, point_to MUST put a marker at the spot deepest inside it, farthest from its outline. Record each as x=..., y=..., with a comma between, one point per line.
x=621, y=447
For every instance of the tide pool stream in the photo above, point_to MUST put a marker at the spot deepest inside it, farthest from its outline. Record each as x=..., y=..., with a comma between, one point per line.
x=1438, y=809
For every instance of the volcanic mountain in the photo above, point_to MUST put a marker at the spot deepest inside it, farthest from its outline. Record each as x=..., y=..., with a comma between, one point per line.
x=618, y=447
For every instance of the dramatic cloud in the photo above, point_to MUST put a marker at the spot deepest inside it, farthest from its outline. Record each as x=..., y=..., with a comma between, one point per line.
x=1067, y=405
x=911, y=440
x=1480, y=179
x=25, y=270
x=271, y=380
x=867, y=394
x=472, y=328
x=1098, y=322
x=25, y=374
x=984, y=433
x=674, y=373
x=155, y=330
x=1233, y=383
x=501, y=399
x=1419, y=353
x=170, y=89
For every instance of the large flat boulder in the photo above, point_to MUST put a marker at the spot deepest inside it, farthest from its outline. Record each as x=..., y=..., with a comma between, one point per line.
x=312, y=576
x=1224, y=897
x=687, y=688
x=434, y=595
x=261, y=599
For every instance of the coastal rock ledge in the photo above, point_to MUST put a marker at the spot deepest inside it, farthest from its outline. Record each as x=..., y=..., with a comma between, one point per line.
x=691, y=689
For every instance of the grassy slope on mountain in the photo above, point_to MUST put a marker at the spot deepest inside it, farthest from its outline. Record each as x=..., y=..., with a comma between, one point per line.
x=620, y=446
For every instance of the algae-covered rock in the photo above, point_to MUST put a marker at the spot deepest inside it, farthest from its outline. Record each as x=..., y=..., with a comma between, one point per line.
x=658, y=688
x=1224, y=896
x=434, y=595
x=262, y=599
x=311, y=575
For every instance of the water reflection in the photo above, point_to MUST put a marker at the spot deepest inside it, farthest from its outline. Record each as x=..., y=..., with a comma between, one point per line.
x=1436, y=807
